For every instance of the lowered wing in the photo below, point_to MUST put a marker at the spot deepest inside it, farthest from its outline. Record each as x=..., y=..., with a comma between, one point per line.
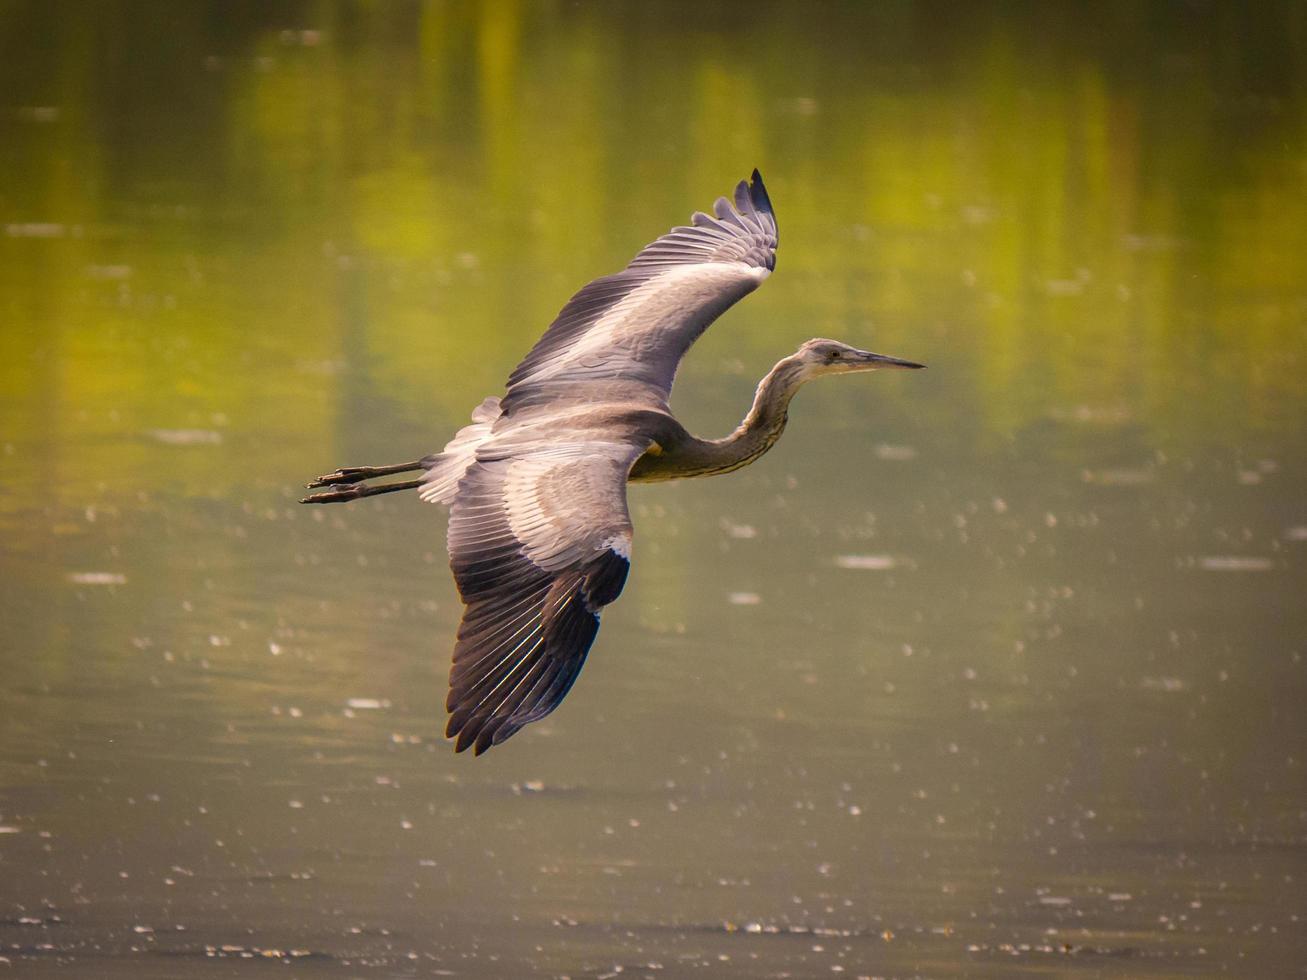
x=539, y=541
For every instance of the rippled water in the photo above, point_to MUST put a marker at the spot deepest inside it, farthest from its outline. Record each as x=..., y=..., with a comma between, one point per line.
x=991, y=670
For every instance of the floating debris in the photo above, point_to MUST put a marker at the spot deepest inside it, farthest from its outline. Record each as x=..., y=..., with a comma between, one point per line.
x=107, y=272
x=250, y=952
x=1170, y=685
x=741, y=531
x=1296, y=533
x=744, y=599
x=870, y=563
x=185, y=437
x=35, y=229
x=97, y=578
x=1064, y=287
x=367, y=704
x=38, y=113
x=896, y=454
x=1119, y=477
x=1092, y=414
x=1235, y=563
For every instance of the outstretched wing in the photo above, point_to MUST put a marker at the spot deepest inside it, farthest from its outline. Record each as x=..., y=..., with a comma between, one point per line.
x=539, y=540
x=635, y=326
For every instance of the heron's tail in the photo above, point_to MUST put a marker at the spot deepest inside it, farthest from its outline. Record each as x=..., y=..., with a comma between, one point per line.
x=445, y=469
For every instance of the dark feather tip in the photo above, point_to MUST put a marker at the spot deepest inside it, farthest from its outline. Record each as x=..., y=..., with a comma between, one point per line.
x=758, y=193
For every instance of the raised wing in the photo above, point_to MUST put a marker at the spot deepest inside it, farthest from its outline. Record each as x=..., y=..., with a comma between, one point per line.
x=539, y=540
x=635, y=326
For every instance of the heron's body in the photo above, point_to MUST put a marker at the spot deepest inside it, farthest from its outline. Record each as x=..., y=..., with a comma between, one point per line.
x=539, y=531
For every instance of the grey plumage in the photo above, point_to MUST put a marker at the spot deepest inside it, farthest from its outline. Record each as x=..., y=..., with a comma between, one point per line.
x=539, y=532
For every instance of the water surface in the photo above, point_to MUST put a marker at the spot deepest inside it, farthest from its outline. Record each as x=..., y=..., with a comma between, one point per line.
x=991, y=670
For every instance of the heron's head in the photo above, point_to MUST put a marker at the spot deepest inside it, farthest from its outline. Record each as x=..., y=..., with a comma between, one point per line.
x=820, y=357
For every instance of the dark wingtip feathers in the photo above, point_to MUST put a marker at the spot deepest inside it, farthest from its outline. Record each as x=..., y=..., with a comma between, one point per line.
x=758, y=194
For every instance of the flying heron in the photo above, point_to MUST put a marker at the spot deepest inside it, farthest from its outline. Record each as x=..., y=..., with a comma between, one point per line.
x=539, y=529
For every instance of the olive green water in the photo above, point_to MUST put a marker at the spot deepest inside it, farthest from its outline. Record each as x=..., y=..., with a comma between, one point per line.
x=992, y=670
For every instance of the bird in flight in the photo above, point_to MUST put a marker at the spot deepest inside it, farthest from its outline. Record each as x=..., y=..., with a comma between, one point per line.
x=539, y=529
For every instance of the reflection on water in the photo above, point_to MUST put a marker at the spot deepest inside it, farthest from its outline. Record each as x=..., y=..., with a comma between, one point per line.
x=992, y=670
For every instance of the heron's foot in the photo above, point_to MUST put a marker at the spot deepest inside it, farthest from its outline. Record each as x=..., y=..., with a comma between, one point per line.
x=348, y=491
x=353, y=474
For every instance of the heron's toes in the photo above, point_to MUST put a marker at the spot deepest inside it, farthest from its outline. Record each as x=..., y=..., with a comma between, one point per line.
x=348, y=492
x=346, y=474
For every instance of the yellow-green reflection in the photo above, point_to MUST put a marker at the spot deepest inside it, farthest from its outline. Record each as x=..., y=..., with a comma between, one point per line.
x=425, y=187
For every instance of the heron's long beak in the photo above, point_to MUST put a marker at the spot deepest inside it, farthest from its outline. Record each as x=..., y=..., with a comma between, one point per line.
x=870, y=360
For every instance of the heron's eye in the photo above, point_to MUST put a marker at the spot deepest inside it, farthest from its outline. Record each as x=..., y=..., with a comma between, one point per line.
x=833, y=356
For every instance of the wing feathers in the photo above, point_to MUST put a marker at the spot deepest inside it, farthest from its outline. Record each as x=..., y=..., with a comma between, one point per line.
x=645, y=340
x=538, y=543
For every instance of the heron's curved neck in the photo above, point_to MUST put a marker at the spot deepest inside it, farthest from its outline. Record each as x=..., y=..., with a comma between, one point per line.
x=751, y=438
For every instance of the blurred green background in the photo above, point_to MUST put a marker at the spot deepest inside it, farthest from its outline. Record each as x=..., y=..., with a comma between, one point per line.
x=990, y=670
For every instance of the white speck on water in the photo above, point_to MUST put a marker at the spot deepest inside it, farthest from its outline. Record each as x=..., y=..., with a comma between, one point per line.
x=741, y=531
x=1064, y=287
x=1170, y=685
x=1092, y=414
x=109, y=271
x=1119, y=896
x=274, y=649
x=35, y=229
x=185, y=437
x=367, y=704
x=744, y=598
x=1151, y=243
x=896, y=454
x=1119, y=477
x=39, y=113
x=11, y=830
x=97, y=578
x=1296, y=533
x=870, y=563
x=1235, y=563
x=295, y=804
x=1055, y=900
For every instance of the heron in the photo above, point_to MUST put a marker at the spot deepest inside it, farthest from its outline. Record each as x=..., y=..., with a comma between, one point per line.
x=539, y=533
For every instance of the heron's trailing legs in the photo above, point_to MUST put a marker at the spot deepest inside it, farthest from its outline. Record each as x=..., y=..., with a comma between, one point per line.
x=347, y=483
x=352, y=474
x=352, y=491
